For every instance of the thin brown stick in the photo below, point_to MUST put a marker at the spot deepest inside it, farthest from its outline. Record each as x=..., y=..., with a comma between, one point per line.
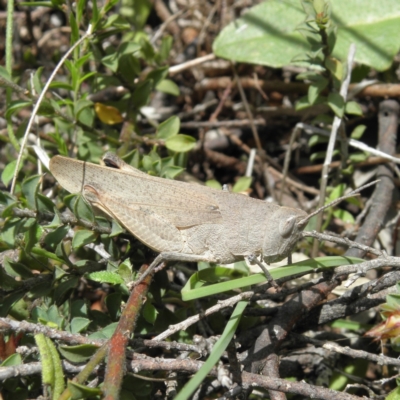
x=117, y=345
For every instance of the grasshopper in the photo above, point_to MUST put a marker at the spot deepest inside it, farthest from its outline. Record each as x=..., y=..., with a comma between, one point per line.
x=183, y=221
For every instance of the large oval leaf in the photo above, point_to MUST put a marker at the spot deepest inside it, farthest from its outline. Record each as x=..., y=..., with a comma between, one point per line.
x=267, y=33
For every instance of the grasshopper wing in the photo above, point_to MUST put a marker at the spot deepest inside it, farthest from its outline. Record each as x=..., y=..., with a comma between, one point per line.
x=182, y=204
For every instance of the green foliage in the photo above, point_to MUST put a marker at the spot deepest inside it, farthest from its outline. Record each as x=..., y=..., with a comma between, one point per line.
x=260, y=35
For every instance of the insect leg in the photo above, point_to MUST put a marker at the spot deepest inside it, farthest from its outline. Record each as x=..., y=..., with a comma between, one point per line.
x=254, y=260
x=164, y=257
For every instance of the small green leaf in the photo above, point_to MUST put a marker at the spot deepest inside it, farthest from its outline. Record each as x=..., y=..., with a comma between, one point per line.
x=394, y=394
x=80, y=105
x=116, y=229
x=113, y=304
x=79, y=391
x=358, y=157
x=12, y=361
x=180, y=143
x=242, y=184
x=78, y=354
x=169, y=128
x=302, y=103
x=316, y=87
x=111, y=62
x=141, y=95
x=105, y=333
x=358, y=132
x=64, y=289
x=15, y=106
x=344, y=215
x=125, y=271
x=335, y=67
x=29, y=188
x=78, y=324
x=8, y=172
x=32, y=236
x=336, y=103
x=82, y=238
x=212, y=183
x=44, y=204
x=216, y=353
x=106, y=277
x=169, y=87
x=317, y=139
x=353, y=108
x=83, y=210
x=53, y=238
x=347, y=324
x=149, y=312
x=4, y=73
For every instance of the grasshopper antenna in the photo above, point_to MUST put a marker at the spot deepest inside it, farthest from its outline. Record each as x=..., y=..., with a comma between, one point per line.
x=353, y=193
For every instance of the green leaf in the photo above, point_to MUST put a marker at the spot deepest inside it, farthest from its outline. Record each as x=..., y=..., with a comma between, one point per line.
x=82, y=209
x=78, y=324
x=344, y=215
x=64, y=289
x=149, y=312
x=358, y=157
x=169, y=128
x=216, y=353
x=116, y=229
x=78, y=354
x=8, y=301
x=79, y=391
x=260, y=35
x=141, y=95
x=165, y=48
x=347, y=324
x=125, y=271
x=196, y=286
x=180, y=143
x=80, y=105
x=106, y=277
x=358, y=132
x=44, y=204
x=113, y=304
x=15, y=106
x=335, y=67
x=8, y=172
x=74, y=29
x=32, y=236
x=105, y=333
x=37, y=84
x=394, y=394
x=111, y=62
x=353, y=108
x=242, y=184
x=212, y=183
x=29, y=188
x=169, y=87
x=336, y=103
x=12, y=361
x=82, y=238
x=315, y=89
x=4, y=73
x=302, y=103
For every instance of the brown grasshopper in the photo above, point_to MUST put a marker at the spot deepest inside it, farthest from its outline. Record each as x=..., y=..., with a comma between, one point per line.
x=184, y=221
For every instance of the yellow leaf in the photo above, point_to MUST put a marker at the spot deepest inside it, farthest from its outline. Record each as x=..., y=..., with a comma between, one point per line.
x=108, y=114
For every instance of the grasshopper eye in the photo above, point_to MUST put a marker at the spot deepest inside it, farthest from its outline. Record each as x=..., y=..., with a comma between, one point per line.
x=286, y=226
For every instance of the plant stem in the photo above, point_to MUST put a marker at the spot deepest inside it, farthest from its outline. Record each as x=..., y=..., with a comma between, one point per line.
x=9, y=37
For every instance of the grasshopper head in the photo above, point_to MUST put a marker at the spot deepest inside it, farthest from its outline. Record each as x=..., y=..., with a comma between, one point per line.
x=281, y=236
